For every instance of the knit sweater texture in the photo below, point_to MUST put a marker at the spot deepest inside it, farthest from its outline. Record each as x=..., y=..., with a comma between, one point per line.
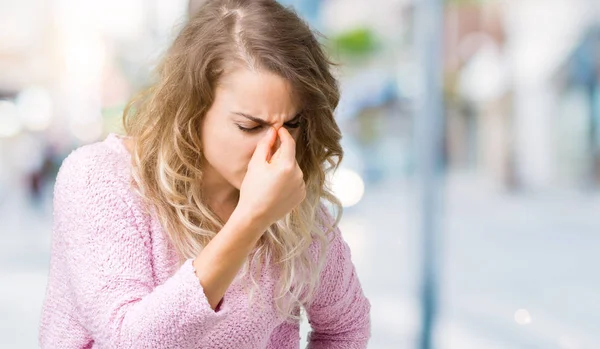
x=115, y=280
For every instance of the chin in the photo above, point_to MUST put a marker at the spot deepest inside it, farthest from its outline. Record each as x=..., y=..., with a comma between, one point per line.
x=237, y=184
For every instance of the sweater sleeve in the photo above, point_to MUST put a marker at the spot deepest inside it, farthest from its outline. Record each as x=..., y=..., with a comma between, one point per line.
x=107, y=249
x=339, y=313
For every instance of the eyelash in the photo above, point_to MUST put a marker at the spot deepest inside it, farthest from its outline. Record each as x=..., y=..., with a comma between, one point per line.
x=257, y=128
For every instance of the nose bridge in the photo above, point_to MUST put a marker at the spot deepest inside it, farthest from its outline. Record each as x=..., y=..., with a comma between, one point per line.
x=279, y=121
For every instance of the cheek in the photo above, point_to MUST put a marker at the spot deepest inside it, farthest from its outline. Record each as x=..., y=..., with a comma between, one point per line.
x=219, y=145
x=248, y=146
x=240, y=148
x=246, y=149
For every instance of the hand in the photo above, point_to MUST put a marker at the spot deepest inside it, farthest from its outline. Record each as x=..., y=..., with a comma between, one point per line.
x=273, y=185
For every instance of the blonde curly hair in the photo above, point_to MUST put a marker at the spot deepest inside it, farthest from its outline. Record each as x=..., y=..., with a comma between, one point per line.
x=164, y=123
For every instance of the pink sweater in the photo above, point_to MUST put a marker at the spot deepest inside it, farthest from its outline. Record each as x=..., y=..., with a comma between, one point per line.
x=115, y=282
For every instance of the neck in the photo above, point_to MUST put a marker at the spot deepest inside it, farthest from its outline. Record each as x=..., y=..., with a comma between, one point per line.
x=219, y=194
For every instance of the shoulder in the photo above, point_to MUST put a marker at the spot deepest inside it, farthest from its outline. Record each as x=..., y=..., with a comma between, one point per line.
x=328, y=221
x=95, y=168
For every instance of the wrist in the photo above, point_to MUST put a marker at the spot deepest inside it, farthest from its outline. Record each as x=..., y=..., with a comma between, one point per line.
x=246, y=221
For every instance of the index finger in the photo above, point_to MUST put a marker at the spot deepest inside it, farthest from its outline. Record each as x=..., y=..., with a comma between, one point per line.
x=287, y=148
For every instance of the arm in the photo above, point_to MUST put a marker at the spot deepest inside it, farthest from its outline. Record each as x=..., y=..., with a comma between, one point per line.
x=109, y=267
x=270, y=189
x=222, y=258
x=102, y=235
x=339, y=313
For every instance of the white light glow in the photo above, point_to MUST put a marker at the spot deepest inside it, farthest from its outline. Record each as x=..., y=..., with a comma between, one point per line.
x=87, y=130
x=10, y=125
x=347, y=186
x=522, y=317
x=85, y=59
x=35, y=108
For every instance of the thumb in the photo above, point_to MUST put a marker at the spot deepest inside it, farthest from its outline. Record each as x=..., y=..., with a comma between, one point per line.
x=263, y=148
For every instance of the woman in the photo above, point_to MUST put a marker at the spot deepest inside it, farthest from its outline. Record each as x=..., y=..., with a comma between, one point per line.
x=203, y=227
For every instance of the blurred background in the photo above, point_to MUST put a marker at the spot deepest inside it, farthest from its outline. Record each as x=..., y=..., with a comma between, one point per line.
x=513, y=252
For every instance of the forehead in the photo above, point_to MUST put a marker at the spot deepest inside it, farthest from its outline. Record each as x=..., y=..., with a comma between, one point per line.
x=258, y=93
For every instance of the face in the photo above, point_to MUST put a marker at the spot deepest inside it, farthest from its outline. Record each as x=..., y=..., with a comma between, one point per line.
x=246, y=104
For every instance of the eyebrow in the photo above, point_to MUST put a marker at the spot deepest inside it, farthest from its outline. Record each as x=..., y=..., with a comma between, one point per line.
x=261, y=121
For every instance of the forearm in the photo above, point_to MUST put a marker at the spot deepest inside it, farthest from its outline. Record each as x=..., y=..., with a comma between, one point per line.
x=220, y=261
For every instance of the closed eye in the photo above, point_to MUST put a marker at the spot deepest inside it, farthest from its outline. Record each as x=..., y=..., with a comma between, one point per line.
x=290, y=125
x=293, y=124
x=251, y=129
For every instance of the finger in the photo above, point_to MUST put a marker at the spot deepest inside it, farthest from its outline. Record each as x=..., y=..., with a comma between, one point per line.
x=263, y=148
x=287, y=148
